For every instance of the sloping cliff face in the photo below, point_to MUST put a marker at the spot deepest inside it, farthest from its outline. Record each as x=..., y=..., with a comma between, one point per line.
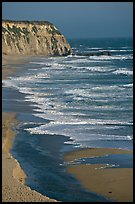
x=33, y=38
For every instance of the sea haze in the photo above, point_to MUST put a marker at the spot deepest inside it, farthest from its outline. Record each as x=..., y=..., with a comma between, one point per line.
x=75, y=101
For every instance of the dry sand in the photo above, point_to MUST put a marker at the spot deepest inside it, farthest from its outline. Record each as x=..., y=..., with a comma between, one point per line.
x=7, y=61
x=13, y=177
x=114, y=183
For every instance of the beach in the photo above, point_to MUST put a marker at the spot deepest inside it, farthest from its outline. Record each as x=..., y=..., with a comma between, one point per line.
x=113, y=183
x=13, y=176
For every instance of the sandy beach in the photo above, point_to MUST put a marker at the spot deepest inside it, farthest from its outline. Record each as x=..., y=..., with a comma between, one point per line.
x=114, y=183
x=13, y=176
x=7, y=61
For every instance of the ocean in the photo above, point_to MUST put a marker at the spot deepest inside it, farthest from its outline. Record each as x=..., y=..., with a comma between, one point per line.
x=71, y=102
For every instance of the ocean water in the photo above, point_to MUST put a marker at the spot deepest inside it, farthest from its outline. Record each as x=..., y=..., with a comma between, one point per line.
x=74, y=102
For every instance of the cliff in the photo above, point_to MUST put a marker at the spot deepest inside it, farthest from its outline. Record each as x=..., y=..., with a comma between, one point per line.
x=33, y=38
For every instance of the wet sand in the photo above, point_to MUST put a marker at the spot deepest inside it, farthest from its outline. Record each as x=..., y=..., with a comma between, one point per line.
x=113, y=183
x=13, y=176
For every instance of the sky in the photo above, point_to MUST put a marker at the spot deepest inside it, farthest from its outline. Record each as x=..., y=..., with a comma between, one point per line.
x=77, y=19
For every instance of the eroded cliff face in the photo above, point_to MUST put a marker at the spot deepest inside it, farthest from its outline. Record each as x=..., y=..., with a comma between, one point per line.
x=33, y=38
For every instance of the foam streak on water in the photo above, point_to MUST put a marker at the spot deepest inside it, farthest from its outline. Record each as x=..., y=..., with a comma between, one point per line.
x=84, y=97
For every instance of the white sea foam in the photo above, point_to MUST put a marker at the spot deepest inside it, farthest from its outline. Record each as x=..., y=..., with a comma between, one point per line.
x=126, y=50
x=107, y=88
x=38, y=63
x=53, y=129
x=107, y=166
x=93, y=48
x=118, y=50
x=119, y=57
x=77, y=60
x=123, y=71
x=93, y=92
x=128, y=85
x=130, y=137
x=32, y=123
x=49, y=101
x=97, y=69
x=110, y=50
x=9, y=83
x=29, y=78
x=70, y=124
x=34, y=69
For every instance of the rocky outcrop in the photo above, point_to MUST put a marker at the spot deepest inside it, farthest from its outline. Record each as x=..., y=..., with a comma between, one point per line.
x=99, y=53
x=33, y=38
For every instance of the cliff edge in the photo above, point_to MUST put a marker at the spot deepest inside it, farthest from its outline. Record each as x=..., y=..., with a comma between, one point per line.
x=33, y=38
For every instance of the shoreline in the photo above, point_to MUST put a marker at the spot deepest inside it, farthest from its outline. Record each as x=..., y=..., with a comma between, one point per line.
x=13, y=176
x=14, y=188
x=113, y=183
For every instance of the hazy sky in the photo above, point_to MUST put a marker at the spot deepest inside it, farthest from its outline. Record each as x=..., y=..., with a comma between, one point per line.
x=77, y=19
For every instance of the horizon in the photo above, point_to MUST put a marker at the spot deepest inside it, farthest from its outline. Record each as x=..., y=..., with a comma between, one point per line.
x=71, y=38
x=86, y=19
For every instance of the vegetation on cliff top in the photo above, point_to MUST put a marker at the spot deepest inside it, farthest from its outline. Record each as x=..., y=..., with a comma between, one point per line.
x=17, y=30
x=21, y=34
x=28, y=22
